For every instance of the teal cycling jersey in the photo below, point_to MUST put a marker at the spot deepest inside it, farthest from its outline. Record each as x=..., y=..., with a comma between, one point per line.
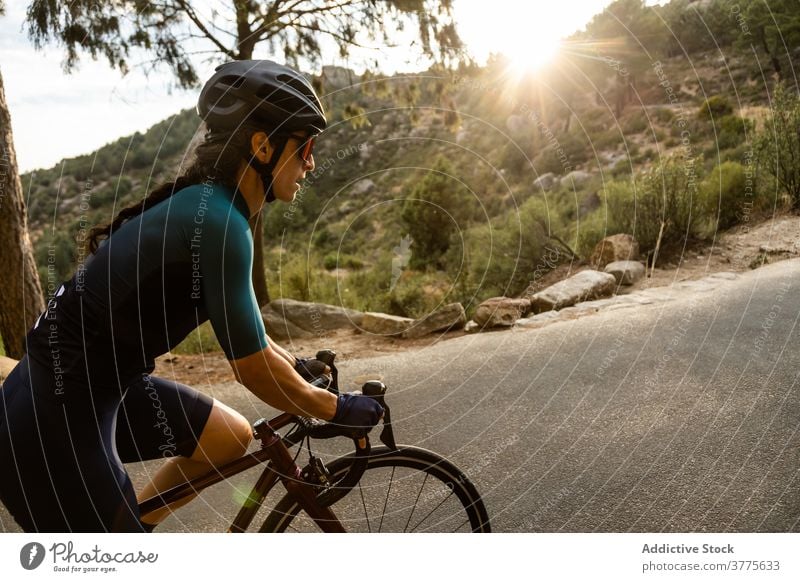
x=186, y=260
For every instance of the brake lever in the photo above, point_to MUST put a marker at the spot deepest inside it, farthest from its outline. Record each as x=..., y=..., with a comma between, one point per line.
x=377, y=390
x=327, y=357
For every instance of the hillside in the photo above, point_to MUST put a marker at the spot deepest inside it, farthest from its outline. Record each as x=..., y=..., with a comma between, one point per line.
x=579, y=151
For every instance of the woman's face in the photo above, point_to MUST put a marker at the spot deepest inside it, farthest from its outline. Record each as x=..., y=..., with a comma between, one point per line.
x=291, y=170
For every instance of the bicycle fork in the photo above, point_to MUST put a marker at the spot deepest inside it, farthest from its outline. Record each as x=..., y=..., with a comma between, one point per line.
x=292, y=478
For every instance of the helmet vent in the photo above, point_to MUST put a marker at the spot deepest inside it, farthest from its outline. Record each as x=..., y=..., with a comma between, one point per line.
x=233, y=82
x=294, y=83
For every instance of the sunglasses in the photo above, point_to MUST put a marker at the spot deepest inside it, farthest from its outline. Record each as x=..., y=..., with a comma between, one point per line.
x=306, y=147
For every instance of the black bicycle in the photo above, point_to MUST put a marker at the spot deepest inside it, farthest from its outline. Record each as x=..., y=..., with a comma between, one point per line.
x=389, y=488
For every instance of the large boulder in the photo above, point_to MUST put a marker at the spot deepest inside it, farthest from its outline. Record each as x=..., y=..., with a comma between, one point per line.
x=625, y=272
x=363, y=187
x=444, y=318
x=279, y=328
x=317, y=318
x=501, y=311
x=545, y=182
x=582, y=286
x=384, y=324
x=619, y=247
x=575, y=179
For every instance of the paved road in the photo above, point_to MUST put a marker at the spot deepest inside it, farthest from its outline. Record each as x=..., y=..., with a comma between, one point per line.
x=680, y=416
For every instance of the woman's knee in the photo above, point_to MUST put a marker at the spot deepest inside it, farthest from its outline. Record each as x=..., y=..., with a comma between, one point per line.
x=226, y=435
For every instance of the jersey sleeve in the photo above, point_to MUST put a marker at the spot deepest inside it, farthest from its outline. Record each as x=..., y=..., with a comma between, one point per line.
x=226, y=262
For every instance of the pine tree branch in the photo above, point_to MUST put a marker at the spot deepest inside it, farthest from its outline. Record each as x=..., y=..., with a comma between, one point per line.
x=199, y=23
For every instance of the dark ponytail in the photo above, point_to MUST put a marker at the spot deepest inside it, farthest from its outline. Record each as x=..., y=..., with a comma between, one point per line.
x=217, y=158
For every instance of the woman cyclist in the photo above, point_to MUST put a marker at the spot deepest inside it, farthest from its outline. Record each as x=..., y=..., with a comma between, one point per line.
x=82, y=401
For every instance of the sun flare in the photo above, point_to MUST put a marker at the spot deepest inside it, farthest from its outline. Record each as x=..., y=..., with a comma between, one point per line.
x=531, y=54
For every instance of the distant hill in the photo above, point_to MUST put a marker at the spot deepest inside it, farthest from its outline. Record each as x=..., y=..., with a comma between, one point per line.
x=584, y=123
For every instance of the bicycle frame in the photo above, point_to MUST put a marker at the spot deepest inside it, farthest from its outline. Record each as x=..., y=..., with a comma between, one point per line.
x=280, y=466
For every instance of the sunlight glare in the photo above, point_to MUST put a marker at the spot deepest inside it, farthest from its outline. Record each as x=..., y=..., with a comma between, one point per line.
x=532, y=53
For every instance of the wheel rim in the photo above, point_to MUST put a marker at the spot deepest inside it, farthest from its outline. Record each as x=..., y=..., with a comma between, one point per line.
x=407, y=491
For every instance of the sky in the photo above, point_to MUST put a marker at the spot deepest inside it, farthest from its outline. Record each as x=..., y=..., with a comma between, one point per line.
x=55, y=115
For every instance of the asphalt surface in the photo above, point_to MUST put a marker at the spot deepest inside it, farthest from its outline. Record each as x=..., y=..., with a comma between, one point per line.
x=680, y=416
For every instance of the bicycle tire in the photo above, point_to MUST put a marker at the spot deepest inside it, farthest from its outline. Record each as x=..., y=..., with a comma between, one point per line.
x=446, y=500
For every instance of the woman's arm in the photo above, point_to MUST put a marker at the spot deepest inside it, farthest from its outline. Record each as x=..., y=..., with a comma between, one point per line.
x=282, y=352
x=269, y=375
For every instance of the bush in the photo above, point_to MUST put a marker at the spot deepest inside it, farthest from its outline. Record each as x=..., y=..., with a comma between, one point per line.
x=500, y=258
x=714, y=107
x=725, y=196
x=200, y=341
x=732, y=130
x=337, y=261
x=636, y=123
x=778, y=145
x=665, y=194
x=434, y=209
x=662, y=115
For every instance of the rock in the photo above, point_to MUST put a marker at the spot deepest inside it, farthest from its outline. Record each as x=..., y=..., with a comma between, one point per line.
x=575, y=179
x=545, y=182
x=444, y=318
x=619, y=247
x=582, y=286
x=472, y=327
x=279, y=328
x=538, y=320
x=362, y=187
x=501, y=311
x=625, y=272
x=6, y=365
x=317, y=318
x=384, y=324
x=770, y=250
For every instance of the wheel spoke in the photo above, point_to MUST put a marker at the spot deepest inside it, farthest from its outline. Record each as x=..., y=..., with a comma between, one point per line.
x=364, y=503
x=431, y=511
x=414, y=507
x=386, y=501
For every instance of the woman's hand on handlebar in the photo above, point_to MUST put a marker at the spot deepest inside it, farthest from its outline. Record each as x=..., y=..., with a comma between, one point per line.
x=357, y=411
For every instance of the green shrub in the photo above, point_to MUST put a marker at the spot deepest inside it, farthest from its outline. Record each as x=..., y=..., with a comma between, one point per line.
x=778, y=145
x=591, y=230
x=666, y=194
x=336, y=261
x=725, y=197
x=636, y=123
x=662, y=115
x=732, y=130
x=714, y=107
x=200, y=341
x=433, y=210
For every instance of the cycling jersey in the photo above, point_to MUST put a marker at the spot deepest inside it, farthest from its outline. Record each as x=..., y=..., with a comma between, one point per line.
x=82, y=402
x=183, y=261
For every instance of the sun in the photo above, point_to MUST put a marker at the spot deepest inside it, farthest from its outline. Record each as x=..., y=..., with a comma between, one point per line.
x=529, y=55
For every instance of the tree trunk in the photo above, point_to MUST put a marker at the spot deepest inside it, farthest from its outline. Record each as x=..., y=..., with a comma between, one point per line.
x=245, y=45
x=21, y=300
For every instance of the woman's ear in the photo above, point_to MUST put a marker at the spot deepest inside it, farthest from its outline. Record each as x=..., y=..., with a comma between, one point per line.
x=260, y=147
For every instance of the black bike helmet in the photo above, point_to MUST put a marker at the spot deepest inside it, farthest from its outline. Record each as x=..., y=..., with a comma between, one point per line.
x=261, y=93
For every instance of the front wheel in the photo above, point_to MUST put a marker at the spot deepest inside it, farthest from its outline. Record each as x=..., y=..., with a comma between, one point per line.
x=407, y=490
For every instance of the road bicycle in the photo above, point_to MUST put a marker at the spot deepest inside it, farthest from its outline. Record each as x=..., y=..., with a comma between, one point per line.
x=389, y=488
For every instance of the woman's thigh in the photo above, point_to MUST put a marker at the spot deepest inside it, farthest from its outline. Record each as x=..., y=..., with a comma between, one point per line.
x=60, y=471
x=160, y=418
